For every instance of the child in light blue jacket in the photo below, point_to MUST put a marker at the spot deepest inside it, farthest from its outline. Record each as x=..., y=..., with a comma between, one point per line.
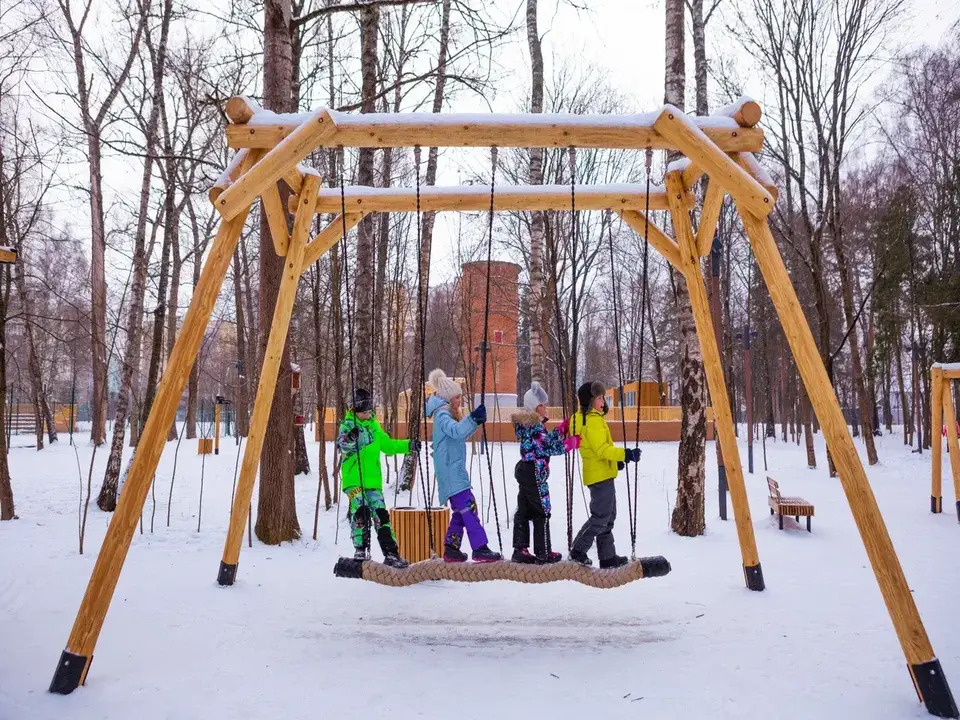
x=450, y=433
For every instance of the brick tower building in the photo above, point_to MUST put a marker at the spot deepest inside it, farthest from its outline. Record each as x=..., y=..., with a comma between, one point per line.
x=501, y=333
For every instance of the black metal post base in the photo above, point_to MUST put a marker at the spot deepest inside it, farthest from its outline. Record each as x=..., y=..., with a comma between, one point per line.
x=722, y=488
x=958, y=510
x=936, y=504
x=227, y=574
x=932, y=687
x=349, y=568
x=216, y=451
x=655, y=566
x=69, y=671
x=754, y=577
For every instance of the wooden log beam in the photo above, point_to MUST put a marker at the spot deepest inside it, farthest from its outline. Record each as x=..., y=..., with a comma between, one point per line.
x=936, y=442
x=925, y=670
x=680, y=216
x=276, y=219
x=661, y=243
x=748, y=161
x=75, y=661
x=745, y=111
x=273, y=166
x=241, y=109
x=269, y=371
x=713, y=367
x=709, y=216
x=450, y=130
x=8, y=255
x=477, y=198
x=700, y=148
x=231, y=173
x=327, y=238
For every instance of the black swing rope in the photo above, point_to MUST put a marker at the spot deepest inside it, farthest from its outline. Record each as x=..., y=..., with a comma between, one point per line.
x=422, y=299
x=353, y=379
x=484, y=346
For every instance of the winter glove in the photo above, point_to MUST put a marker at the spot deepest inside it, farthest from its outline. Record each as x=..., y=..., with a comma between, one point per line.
x=479, y=414
x=571, y=443
x=564, y=426
x=415, y=446
x=621, y=465
x=633, y=455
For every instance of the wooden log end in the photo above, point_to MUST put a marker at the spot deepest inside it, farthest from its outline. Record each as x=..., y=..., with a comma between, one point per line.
x=749, y=114
x=241, y=109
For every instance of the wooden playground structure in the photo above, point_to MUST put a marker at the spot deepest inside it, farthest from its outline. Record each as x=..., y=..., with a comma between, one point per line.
x=943, y=412
x=270, y=148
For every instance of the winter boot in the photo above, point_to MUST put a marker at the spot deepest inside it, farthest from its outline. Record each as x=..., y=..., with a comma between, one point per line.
x=484, y=554
x=550, y=558
x=522, y=555
x=453, y=554
x=580, y=557
x=613, y=562
x=395, y=561
x=361, y=554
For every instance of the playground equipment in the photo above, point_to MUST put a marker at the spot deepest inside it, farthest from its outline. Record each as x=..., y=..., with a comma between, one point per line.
x=271, y=146
x=943, y=412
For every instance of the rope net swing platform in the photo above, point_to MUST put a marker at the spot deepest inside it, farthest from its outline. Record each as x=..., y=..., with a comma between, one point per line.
x=436, y=569
x=269, y=149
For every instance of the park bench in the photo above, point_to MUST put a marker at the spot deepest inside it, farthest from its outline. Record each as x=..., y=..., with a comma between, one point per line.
x=787, y=505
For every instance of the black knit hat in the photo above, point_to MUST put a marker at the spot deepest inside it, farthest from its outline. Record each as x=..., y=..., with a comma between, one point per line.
x=362, y=401
x=587, y=392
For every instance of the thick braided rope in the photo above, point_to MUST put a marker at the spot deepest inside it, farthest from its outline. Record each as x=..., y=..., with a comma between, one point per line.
x=656, y=566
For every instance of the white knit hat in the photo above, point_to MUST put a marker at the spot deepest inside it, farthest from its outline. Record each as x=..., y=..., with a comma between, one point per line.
x=534, y=397
x=444, y=386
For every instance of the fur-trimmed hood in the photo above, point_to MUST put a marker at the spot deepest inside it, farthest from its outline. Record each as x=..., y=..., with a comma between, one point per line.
x=526, y=418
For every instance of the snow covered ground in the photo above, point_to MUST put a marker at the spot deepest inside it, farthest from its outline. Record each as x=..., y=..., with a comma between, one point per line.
x=291, y=640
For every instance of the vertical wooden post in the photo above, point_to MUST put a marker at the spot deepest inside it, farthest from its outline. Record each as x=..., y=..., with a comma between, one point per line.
x=690, y=267
x=953, y=446
x=75, y=660
x=269, y=371
x=936, y=441
x=929, y=680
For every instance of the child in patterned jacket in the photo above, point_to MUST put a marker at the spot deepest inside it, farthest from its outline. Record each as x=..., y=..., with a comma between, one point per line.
x=532, y=472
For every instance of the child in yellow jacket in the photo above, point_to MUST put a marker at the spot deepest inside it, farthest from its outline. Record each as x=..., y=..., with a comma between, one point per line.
x=600, y=459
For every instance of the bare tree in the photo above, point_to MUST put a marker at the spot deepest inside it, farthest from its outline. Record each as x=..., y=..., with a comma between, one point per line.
x=92, y=120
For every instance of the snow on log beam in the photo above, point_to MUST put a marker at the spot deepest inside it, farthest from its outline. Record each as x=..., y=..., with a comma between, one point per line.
x=746, y=111
x=266, y=129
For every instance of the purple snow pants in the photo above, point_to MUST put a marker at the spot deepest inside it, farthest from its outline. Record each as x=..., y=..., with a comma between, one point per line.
x=465, y=515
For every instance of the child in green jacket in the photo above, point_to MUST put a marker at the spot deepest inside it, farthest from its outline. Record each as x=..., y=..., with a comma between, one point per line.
x=601, y=461
x=362, y=479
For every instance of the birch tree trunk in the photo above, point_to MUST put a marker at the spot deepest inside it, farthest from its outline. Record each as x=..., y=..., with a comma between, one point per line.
x=276, y=509
x=362, y=278
x=688, y=513
x=535, y=177
x=426, y=246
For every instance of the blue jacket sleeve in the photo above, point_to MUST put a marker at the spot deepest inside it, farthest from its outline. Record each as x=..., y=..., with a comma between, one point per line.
x=549, y=444
x=461, y=430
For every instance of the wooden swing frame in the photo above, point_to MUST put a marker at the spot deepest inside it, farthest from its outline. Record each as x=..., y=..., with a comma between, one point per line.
x=943, y=412
x=269, y=149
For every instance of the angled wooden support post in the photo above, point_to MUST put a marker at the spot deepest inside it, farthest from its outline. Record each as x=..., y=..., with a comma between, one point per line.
x=925, y=670
x=75, y=661
x=709, y=217
x=269, y=371
x=327, y=238
x=661, y=243
x=713, y=366
x=276, y=164
x=953, y=446
x=936, y=442
x=276, y=219
x=692, y=142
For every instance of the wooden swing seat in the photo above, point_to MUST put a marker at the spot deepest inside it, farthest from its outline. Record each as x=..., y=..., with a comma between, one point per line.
x=436, y=569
